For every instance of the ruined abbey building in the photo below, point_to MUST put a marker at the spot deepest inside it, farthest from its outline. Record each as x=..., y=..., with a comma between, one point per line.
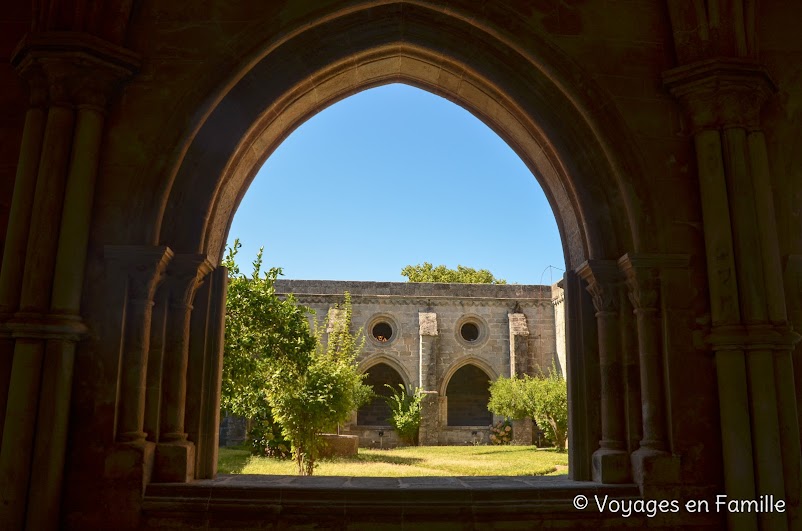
x=666, y=137
x=448, y=340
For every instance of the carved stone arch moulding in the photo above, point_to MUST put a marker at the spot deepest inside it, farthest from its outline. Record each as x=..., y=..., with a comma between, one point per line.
x=518, y=94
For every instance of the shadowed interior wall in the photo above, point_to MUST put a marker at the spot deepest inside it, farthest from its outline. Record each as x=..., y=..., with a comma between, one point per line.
x=468, y=394
x=377, y=411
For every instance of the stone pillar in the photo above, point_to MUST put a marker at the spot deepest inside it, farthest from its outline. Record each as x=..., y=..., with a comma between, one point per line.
x=175, y=455
x=611, y=460
x=427, y=379
x=144, y=268
x=153, y=386
x=582, y=362
x=750, y=334
x=653, y=462
x=522, y=429
x=80, y=77
x=208, y=440
x=204, y=375
x=16, y=242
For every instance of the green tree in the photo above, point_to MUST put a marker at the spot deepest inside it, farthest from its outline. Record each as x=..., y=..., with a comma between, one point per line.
x=314, y=394
x=261, y=332
x=426, y=272
x=543, y=398
x=405, y=413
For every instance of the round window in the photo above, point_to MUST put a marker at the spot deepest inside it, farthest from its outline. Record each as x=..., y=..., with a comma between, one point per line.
x=382, y=331
x=469, y=332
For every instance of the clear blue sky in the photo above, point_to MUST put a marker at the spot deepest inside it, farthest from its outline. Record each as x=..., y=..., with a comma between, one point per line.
x=394, y=176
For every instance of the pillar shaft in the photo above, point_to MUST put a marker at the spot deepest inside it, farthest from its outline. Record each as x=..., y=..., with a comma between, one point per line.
x=13, y=263
x=611, y=460
x=183, y=277
x=18, y=432
x=429, y=433
x=143, y=267
x=40, y=256
x=19, y=218
x=77, y=214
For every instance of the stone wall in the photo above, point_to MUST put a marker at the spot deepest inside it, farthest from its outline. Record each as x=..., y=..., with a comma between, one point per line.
x=499, y=329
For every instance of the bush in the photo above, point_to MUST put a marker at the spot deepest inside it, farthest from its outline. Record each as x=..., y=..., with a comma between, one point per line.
x=501, y=433
x=543, y=398
x=315, y=393
x=405, y=413
x=266, y=437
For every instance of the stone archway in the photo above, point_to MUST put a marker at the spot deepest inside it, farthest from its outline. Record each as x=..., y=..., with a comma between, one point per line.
x=467, y=396
x=556, y=130
x=376, y=412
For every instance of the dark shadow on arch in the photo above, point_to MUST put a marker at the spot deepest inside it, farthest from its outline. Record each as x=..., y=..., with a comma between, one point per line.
x=468, y=394
x=376, y=412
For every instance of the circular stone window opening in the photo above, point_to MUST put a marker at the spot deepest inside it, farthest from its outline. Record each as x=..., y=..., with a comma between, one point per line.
x=382, y=331
x=469, y=332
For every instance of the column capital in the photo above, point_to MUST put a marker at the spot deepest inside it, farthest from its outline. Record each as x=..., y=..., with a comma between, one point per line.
x=642, y=274
x=184, y=274
x=144, y=265
x=603, y=278
x=77, y=68
x=722, y=92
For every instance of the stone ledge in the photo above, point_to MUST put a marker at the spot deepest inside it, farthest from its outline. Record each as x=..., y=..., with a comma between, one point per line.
x=289, y=502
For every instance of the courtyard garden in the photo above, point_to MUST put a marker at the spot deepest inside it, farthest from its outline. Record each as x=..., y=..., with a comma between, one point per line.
x=412, y=461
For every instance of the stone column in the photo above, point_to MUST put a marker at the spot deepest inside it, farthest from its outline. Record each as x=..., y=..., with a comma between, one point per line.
x=427, y=379
x=153, y=385
x=204, y=375
x=522, y=429
x=653, y=462
x=175, y=455
x=208, y=440
x=611, y=461
x=144, y=268
x=80, y=78
x=750, y=335
x=19, y=219
x=584, y=381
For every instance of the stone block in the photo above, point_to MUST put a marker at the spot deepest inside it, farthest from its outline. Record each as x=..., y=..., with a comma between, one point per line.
x=339, y=445
x=175, y=462
x=611, y=466
x=653, y=467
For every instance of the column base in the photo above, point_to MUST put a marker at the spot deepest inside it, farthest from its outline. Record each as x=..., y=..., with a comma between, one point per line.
x=654, y=467
x=611, y=466
x=175, y=462
x=131, y=461
x=522, y=432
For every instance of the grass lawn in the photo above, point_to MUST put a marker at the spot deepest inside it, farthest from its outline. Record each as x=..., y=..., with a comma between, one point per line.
x=413, y=461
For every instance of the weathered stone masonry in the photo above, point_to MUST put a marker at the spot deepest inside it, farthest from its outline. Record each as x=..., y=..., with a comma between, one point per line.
x=442, y=338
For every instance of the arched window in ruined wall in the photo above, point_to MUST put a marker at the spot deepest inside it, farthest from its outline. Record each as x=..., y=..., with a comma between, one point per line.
x=376, y=412
x=468, y=395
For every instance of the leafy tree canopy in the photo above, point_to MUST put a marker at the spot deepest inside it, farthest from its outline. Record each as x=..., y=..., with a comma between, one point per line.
x=261, y=331
x=543, y=398
x=426, y=272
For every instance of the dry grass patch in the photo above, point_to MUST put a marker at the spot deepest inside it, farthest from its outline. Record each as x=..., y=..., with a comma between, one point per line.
x=413, y=461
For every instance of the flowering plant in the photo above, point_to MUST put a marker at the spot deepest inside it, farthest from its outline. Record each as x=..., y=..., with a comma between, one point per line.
x=501, y=432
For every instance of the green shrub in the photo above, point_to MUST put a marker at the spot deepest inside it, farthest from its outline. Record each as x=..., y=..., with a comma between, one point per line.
x=405, y=413
x=543, y=398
